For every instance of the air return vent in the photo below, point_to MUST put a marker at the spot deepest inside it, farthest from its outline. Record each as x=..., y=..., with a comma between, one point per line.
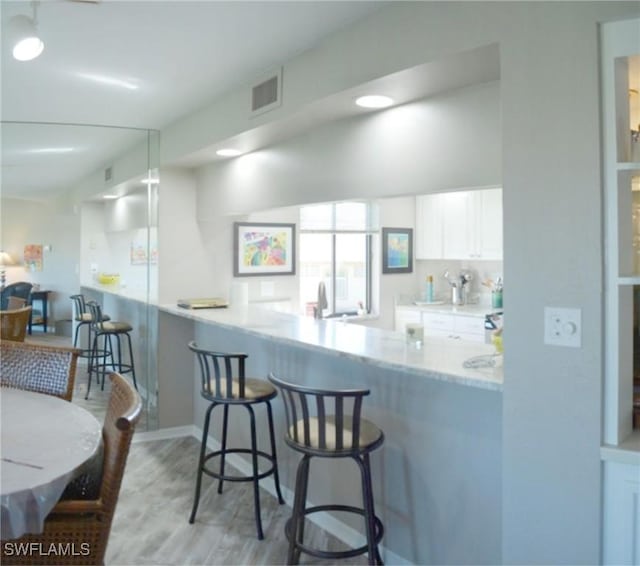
x=266, y=95
x=108, y=173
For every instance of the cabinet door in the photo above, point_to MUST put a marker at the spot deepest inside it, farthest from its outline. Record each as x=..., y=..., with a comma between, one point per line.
x=458, y=224
x=489, y=224
x=429, y=227
x=437, y=324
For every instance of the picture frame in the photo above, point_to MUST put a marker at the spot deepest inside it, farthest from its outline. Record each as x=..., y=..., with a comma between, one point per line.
x=397, y=250
x=264, y=248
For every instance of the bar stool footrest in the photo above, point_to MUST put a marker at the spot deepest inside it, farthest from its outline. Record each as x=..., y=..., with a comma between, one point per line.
x=226, y=477
x=335, y=554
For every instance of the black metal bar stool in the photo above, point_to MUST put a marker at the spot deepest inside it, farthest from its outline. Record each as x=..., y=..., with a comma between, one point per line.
x=82, y=316
x=224, y=383
x=102, y=358
x=328, y=424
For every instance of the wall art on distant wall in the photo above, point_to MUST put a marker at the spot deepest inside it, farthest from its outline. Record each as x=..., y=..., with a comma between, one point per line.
x=139, y=253
x=33, y=257
x=397, y=250
x=264, y=249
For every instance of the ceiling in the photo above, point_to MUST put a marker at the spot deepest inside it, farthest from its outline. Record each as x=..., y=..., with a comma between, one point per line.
x=140, y=64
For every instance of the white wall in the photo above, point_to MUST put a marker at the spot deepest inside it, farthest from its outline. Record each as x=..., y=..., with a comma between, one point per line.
x=29, y=222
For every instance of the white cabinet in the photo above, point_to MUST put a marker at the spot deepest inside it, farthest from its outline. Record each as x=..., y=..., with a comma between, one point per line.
x=459, y=225
x=442, y=324
x=621, y=514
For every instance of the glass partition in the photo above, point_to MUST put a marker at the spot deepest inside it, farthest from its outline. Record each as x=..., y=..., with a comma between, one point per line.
x=85, y=198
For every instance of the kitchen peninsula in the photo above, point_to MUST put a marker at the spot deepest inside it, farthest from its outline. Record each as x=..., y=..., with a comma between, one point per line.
x=439, y=487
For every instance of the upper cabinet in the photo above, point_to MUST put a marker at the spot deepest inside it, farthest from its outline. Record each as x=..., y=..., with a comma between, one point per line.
x=459, y=225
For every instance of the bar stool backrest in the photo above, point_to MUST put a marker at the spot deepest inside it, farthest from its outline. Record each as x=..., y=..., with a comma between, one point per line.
x=79, y=307
x=96, y=315
x=321, y=421
x=218, y=371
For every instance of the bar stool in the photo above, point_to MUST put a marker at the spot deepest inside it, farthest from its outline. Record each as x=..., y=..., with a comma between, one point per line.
x=224, y=383
x=83, y=317
x=318, y=424
x=101, y=359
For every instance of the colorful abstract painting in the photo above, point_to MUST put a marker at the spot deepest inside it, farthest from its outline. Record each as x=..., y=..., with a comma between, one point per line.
x=33, y=257
x=264, y=249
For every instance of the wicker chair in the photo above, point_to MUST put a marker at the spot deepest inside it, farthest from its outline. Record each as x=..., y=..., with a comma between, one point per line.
x=14, y=324
x=82, y=525
x=43, y=369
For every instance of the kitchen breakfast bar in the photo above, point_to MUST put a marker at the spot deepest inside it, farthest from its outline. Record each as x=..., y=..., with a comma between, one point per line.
x=437, y=477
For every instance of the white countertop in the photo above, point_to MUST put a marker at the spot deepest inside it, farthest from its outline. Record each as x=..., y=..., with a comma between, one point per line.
x=437, y=358
x=139, y=295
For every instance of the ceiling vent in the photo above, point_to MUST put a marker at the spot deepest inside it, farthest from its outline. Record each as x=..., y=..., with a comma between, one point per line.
x=267, y=94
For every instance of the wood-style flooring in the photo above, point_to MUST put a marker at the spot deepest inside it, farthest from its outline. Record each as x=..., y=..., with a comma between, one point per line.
x=151, y=525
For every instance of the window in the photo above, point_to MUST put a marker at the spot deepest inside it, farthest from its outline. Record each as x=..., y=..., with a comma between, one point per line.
x=336, y=249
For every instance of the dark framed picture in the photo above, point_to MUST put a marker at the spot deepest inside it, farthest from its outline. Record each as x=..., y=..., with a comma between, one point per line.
x=397, y=250
x=262, y=248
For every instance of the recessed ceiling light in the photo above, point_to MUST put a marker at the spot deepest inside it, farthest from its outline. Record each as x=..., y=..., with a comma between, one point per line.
x=228, y=152
x=374, y=101
x=109, y=196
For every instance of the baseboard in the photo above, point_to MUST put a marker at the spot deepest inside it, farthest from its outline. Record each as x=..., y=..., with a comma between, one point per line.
x=333, y=526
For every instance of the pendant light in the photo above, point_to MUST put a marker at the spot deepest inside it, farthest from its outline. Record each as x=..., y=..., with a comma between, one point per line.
x=25, y=41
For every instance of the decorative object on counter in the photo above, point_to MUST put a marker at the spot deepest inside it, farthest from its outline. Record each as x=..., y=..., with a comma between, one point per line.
x=429, y=296
x=496, y=292
x=109, y=278
x=458, y=287
x=397, y=250
x=262, y=248
x=415, y=333
x=325, y=423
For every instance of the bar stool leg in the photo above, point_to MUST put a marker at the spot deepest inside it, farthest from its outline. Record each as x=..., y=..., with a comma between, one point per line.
x=133, y=370
x=223, y=448
x=296, y=531
x=369, y=511
x=203, y=447
x=254, y=459
x=93, y=354
x=276, y=477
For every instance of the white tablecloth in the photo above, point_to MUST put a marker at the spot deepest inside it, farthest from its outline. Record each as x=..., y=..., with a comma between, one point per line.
x=45, y=441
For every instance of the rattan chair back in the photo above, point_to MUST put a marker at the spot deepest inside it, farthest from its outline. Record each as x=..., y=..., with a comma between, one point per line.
x=34, y=367
x=14, y=324
x=85, y=525
x=21, y=289
x=326, y=422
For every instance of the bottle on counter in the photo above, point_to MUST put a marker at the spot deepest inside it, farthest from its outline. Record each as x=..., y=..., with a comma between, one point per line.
x=430, y=295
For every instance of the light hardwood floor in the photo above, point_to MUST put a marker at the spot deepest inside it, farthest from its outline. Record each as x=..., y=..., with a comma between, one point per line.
x=151, y=525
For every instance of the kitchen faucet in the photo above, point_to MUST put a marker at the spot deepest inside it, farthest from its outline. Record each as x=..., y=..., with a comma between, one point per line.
x=322, y=300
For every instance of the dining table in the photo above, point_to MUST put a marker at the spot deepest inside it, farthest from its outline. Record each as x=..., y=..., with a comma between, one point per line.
x=45, y=443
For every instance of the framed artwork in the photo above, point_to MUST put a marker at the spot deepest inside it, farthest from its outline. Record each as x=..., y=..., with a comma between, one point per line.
x=397, y=250
x=33, y=257
x=262, y=248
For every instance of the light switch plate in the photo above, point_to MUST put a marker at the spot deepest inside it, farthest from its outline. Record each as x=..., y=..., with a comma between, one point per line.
x=563, y=327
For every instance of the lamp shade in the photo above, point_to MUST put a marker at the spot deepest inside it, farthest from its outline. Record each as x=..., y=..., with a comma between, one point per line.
x=25, y=42
x=6, y=259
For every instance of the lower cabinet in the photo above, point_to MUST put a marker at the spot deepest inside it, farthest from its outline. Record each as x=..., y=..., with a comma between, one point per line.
x=621, y=514
x=444, y=325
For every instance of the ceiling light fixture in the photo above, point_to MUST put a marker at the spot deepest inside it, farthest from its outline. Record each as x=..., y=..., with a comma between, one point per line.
x=150, y=181
x=374, y=101
x=25, y=41
x=110, y=197
x=228, y=152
